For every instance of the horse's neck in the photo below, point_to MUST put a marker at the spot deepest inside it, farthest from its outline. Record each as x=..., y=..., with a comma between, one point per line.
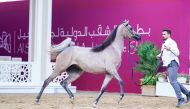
x=118, y=44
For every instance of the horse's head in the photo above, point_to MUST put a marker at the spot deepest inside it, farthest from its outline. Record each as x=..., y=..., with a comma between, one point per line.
x=128, y=31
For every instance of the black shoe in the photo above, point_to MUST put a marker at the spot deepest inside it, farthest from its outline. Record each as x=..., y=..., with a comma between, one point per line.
x=181, y=102
x=188, y=97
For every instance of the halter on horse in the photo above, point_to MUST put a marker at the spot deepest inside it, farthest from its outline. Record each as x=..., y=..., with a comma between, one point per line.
x=105, y=58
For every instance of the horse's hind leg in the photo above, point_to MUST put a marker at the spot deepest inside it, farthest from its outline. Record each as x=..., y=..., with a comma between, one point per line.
x=107, y=79
x=72, y=76
x=46, y=83
x=74, y=73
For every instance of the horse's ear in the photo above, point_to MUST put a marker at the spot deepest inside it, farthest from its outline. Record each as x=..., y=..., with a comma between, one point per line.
x=127, y=21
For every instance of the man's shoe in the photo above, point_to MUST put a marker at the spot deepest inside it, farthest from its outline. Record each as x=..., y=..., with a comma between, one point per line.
x=181, y=102
x=188, y=97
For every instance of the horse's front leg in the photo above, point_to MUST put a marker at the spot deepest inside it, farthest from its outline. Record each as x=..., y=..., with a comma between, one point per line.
x=107, y=79
x=121, y=83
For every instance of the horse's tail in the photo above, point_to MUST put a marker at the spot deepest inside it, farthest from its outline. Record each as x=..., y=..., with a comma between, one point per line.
x=56, y=49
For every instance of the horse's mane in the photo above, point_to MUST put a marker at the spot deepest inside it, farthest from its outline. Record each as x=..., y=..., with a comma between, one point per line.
x=106, y=42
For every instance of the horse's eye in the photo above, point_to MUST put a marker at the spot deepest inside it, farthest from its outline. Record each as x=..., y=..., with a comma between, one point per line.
x=126, y=25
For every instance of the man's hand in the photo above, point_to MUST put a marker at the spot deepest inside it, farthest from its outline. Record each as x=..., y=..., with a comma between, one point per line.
x=167, y=47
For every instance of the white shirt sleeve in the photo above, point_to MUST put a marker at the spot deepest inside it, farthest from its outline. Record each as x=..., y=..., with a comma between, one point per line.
x=174, y=49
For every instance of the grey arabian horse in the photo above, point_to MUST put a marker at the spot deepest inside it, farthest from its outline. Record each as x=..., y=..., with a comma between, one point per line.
x=104, y=58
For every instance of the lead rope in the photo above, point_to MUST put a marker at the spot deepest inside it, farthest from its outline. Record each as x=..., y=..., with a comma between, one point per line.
x=130, y=61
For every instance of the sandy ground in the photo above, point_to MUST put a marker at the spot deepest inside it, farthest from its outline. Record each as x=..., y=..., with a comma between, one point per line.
x=84, y=100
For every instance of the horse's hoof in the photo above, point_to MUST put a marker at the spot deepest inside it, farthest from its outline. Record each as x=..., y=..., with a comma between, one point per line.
x=118, y=101
x=120, y=98
x=72, y=100
x=95, y=105
x=37, y=101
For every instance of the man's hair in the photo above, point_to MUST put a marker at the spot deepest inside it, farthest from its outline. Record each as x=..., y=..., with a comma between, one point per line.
x=167, y=30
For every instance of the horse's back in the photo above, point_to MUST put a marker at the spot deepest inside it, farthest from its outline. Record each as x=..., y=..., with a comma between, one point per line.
x=74, y=51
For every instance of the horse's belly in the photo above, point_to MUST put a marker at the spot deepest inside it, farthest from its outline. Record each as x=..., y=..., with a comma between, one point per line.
x=93, y=68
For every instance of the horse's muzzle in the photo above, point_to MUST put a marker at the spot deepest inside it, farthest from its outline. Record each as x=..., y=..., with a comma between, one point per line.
x=137, y=37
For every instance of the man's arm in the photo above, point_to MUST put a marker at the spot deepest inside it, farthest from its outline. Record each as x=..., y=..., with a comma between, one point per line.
x=173, y=48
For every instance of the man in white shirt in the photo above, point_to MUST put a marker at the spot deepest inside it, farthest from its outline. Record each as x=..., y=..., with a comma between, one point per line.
x=169, y=55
